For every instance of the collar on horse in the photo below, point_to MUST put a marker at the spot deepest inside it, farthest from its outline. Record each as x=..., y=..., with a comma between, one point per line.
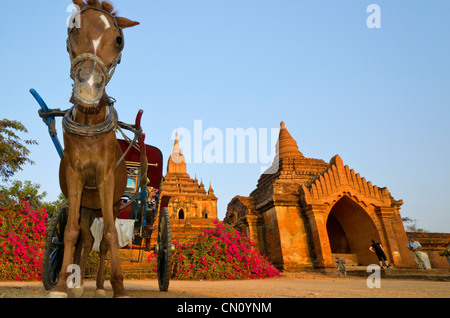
x=89, y=56
x=72, y=127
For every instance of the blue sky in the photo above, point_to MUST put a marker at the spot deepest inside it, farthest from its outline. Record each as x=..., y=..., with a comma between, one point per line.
x=377, y=97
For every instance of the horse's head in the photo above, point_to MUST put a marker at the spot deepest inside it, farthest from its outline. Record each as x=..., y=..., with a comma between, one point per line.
x=94, y=45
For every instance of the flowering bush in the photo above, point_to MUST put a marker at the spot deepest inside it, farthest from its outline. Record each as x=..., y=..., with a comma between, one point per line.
x=220, y=253
x=22, y=240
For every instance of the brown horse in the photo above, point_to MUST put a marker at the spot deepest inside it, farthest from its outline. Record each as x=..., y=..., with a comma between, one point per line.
x=89, y=175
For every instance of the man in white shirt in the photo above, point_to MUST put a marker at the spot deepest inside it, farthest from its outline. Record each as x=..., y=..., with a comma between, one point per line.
x=415, y=248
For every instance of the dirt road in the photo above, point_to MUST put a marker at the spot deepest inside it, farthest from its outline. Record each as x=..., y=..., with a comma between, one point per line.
x=298, y=285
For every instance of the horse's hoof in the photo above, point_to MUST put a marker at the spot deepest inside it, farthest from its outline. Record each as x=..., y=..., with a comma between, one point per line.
x=121, y=295
x=100, y=293
x=56, y=294
x=77, y=292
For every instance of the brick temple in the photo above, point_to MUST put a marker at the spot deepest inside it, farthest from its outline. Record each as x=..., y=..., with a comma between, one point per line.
x=305, y=212
x=191, y=207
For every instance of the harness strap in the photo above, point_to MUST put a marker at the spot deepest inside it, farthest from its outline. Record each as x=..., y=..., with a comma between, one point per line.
x=51, y=114
x=111, y=123
x=89, y=56
x=128, y=149
x=72, y=127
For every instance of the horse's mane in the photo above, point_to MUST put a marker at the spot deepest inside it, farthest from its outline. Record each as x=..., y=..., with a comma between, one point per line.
x=105, y=5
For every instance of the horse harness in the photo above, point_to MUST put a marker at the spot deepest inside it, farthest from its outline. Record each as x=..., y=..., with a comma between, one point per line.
x=111, y=123
x=92, y=57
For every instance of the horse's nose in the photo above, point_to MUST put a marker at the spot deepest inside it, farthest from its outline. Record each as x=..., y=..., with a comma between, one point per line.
x=90, y=76
x=89, y=85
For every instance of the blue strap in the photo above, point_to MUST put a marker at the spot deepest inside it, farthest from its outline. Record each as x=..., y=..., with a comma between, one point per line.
x=50, y=122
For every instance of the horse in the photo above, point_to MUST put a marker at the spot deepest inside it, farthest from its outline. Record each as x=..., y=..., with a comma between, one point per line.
x=91, y=174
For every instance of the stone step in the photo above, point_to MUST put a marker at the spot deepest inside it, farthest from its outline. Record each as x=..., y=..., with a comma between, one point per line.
x=394, y=273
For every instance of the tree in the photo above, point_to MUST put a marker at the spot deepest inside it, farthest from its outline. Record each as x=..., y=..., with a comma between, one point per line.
x=410, y=225
x=29, y=192
x=22, y=191
x=13, y=153
x=51, y=207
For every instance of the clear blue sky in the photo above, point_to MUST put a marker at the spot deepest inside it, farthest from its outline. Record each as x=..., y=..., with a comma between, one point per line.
x=380, y=98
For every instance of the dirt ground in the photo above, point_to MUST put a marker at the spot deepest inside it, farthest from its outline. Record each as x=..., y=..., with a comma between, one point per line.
x=291, y=285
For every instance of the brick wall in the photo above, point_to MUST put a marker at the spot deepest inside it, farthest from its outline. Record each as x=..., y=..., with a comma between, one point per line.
x=432, y=244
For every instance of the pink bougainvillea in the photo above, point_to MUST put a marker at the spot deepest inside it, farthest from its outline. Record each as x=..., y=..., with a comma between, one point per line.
x=22, y=240
x=220, y=253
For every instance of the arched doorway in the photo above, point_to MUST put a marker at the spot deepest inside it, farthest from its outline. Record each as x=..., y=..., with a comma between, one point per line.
x=350, y=231
x=181, y=215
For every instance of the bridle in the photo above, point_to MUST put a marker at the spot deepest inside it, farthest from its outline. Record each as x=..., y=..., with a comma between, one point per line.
x=111, y=120
x=92, y=57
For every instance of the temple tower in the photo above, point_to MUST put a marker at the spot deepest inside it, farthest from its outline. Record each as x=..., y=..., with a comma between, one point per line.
x=305, y=212
x=191, y=207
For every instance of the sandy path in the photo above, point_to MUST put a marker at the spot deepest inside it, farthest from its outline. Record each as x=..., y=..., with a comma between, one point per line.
x=289, y=286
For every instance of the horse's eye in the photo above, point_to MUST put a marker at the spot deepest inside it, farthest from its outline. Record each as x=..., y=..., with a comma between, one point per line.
x=119, y=41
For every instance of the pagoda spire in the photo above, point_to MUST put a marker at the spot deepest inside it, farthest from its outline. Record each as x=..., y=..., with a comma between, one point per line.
x=176, y=145
x=210, y=190
x=177, y=162
x=287, y=146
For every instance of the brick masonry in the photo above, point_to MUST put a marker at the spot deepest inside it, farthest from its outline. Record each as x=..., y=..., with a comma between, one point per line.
x=305, y=211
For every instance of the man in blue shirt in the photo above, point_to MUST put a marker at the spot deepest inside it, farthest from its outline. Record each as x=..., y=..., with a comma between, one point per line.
x=415, y=248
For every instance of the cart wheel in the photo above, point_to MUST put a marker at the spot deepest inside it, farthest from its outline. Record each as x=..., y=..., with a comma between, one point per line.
x=54, y=247
x=164, y=250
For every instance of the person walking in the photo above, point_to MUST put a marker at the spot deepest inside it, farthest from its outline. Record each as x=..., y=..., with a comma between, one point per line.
x=415, y=248
x=378, y=249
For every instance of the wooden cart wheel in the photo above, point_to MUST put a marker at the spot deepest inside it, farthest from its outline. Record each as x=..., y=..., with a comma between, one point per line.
x=164, y=250
x=54, y=247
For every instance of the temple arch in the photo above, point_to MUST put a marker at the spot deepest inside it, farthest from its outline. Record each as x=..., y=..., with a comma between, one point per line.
x=350, y=231
x=304, y=208
x=181, y=214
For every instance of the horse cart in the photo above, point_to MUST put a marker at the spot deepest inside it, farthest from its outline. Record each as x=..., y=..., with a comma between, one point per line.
x=141, y=206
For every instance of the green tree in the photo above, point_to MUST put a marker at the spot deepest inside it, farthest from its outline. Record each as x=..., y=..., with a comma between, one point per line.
x=51, y=207
x=30, y=192
x=26, y=191
x=13, y=153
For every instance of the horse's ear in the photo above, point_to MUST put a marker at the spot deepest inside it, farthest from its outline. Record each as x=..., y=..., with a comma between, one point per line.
x=79, y=3
x=126, y=23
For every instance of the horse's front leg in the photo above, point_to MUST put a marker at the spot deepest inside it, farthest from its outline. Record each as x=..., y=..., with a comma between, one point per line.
x=71, y=232
x=100, y=291
x=86, y=242
x=106, y=191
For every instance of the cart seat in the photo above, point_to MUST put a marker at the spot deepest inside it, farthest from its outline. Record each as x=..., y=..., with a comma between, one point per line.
x=154, y=158
x=154, y=171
